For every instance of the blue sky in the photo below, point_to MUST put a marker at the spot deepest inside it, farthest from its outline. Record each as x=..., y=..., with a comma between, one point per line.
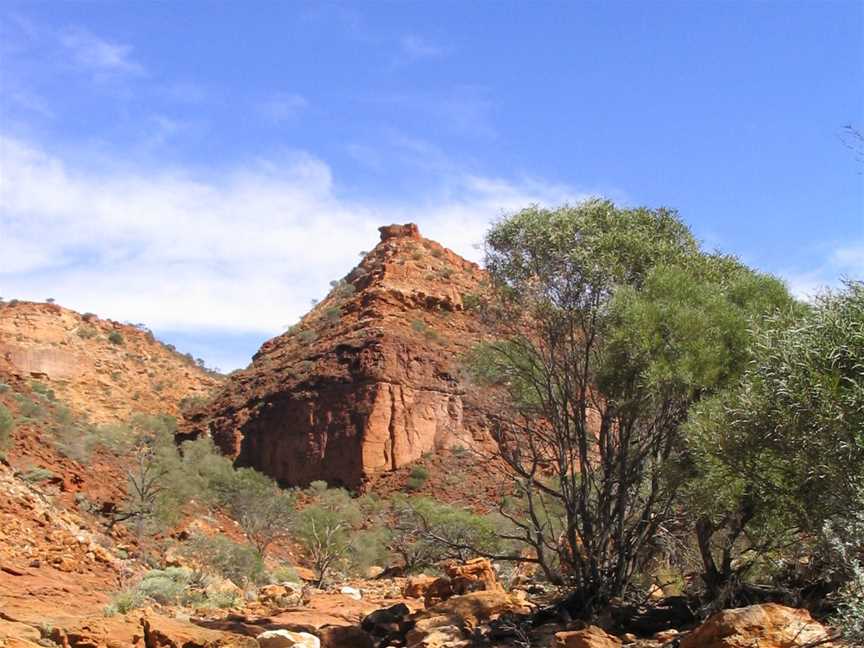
x=207, y=167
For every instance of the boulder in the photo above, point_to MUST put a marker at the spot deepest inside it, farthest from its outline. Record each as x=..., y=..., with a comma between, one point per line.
x=416, y=586
x=163, y=632
x=351, y=592
x=474, y=575
x=288, y=639
x=590, y=637
x=768, y=625
x=435, y=626
x=388, y=624
x=344, y=637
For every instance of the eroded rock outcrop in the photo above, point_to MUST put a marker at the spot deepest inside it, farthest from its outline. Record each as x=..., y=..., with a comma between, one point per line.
x=368, y=381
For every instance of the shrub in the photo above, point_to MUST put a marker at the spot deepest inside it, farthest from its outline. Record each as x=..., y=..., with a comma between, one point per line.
x=43, y=390
x=259, y=506
x=308, y=336
x=124, y=602
x=284, y=573
x=7, y=424
x=36, y=475
x=86, y=332
x=328, y=530
x=333, y=314
x=417, y=478
x=239, y=563
x=115, y=337
x=165, y=586
x=427, y=531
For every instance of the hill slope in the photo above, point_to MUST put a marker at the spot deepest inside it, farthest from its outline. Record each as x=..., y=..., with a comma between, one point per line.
x=103, y=370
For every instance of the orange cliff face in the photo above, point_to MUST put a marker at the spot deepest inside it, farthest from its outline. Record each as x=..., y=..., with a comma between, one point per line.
x=103, y=370
x=368, y=381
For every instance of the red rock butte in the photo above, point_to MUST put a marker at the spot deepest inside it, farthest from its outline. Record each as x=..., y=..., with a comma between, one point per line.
x=367, y=381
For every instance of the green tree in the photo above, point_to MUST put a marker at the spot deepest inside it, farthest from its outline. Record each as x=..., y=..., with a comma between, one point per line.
x=781, y=451
x=260, y=507
x=610, y=323
x=426, y=531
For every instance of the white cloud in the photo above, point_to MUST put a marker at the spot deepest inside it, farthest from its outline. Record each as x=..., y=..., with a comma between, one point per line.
x=244, y=250
x=99, y=56
x=282, y=107
x=844, y=262
x=417, y=47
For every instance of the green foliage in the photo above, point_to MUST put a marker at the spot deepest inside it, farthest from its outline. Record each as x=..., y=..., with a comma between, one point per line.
x=329, y=531
x=843, y=537
x=333, y=314
x=426, y=531
x=43, y=390
x=284, y=573
x=7, y=425
x=342, y=290
x=87, y=332
x=260, y=507
x=171, y=586
x=783, y=448
x=36, y=475
x=165, y=586
x=221, y=556
x=307, y=336
x=417, y=477
x=115, y=337
x=124, y=602
x=610, y=324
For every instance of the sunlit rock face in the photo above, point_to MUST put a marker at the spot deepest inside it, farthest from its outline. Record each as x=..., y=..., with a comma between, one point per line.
x=369, y=380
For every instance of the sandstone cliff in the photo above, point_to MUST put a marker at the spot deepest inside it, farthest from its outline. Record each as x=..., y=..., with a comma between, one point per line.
x=368, y=381
x=101, y=369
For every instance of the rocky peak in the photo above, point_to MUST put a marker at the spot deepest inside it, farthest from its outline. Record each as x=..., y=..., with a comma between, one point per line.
x=408, y=230
x=368, y=380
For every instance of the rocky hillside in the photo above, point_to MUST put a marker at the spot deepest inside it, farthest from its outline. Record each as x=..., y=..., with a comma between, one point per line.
x=369, y=380
x=103, y=370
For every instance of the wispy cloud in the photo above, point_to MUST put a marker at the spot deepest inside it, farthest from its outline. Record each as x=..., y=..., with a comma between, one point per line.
x=283, y=107
x=845, y=261
x=415, y=47
x=242, y=250
x=98, y=56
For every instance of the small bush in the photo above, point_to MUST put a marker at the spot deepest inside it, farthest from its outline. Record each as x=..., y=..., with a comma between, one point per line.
x=417, y=478
x=37, y=475
x=43, y=390
x=165, y=586
x=308, y=336
x=7, y=424
x=30, y=409
x=284, y=573
x=123, y=602
x=87, y=332
x=219, y=555
x=437, y=252
x=333, y=314
x=115, y=337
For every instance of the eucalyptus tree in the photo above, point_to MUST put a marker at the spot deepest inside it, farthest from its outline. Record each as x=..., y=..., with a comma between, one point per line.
x=608, y=324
